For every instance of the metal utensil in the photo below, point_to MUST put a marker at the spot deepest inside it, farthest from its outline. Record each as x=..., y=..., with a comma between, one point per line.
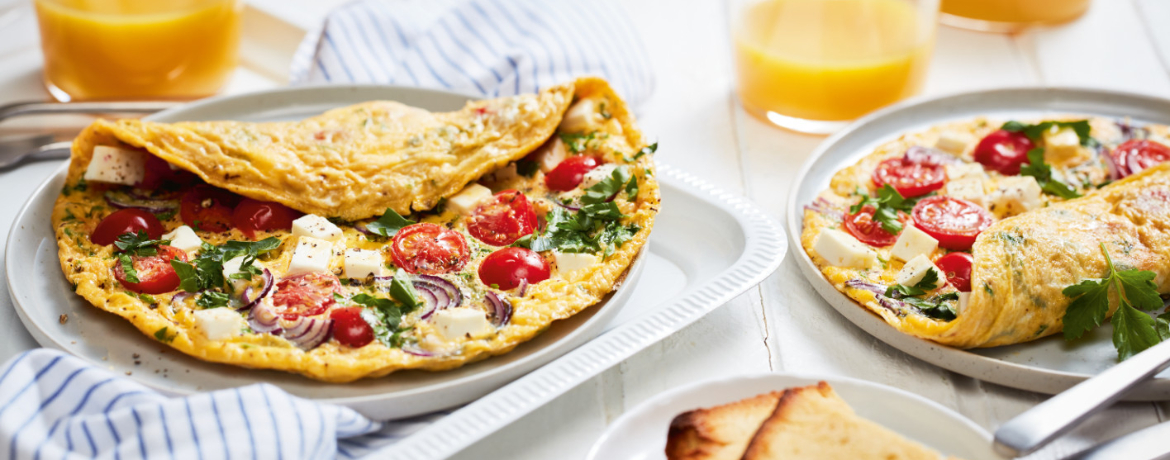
x=38, y=108
x=1050, y=419
x=1145, y=444
x=54, y=151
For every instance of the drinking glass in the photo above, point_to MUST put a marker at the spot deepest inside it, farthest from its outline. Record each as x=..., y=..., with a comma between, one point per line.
x=1009, y=15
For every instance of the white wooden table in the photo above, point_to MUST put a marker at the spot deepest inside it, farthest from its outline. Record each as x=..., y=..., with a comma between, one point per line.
x=782, y=325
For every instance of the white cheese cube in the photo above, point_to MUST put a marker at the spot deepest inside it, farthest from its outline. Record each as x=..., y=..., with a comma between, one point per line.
x=116, y=165
x=1015, y=194
x=363, y=263
x=964, y=297
x=915, y=269
x=913, y=243
x=312, y=255
x=596, y=175
x=953, y=142
x=1063, y=147
x=231, y=267
x=582, y=116
x=970, y=189
x=551, y=154
x=965, y=171
x=469, y=198
x=315, y=226
x=841, y=249
x=453, y=323
x=184, y=238
x=219, y=323
x=571, y=262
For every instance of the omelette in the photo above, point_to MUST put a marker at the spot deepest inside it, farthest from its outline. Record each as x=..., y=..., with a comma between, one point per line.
x=967, y=233
x=369, y=239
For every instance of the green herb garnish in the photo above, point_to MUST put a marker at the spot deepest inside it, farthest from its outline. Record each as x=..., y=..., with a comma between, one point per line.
x=162, y=335
x=1133, y=330
x=928, y=282
x=389, y=224
x=1040, y=170
x=212, y=299
x=138, y=244
x=577, y=143
x=886, y=205
x=128, y=270
x=1036, y=132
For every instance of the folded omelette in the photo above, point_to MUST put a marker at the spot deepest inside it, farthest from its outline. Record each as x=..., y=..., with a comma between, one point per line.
x=368, y=239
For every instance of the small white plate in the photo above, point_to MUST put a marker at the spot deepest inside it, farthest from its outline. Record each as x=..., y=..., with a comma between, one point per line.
x=640, y=434
x=1049, y=365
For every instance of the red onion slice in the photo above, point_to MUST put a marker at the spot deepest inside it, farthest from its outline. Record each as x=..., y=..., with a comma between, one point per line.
x=1115, y=170
x=501, y=310
x=435, y=293
x=122, y=200
x=454, y=297
x=362, y=228
x=930, y=156
x=523, y=287
x=429, y=297
x=416, y=351
x=567, y=206
x=823, y=206
x=871, y=287
x=262, y=319
x=308, y=333
x=180, y=297
x=248, y=299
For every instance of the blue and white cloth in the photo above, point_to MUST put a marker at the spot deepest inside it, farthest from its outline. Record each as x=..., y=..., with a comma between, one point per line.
x=488, y=47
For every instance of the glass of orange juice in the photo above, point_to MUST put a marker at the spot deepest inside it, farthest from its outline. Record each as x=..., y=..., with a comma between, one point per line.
x=138, y=49
x=813, y=65
x=1009, y=15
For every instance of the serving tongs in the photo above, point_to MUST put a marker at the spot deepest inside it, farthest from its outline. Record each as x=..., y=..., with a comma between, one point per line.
x=37, y=148
x=1051, y=419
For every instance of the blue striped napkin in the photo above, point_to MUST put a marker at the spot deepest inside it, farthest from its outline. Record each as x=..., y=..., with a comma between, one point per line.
x=488, y=47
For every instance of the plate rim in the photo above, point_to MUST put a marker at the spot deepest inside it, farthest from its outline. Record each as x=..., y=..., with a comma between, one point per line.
x=996, y=371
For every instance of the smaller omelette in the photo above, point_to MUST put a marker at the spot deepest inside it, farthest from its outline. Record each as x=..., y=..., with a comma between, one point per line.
x=968, y=233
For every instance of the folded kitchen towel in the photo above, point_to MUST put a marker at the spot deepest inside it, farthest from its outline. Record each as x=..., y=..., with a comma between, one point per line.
x=486, y=47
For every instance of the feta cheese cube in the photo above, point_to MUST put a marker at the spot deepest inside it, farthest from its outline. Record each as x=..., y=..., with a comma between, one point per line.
x=570, y=262
x=231, y=267
x=453, y=323
x=915, y=270
x=582, y=116
x=551, y=154
x=970, y=189
x=116, y=165
x=184, y=238
x=363, y=263
x=1063, y=147
x=953, y=142
x=596, y=175
x=841, y=249
x=913, y=243
x=469, y=198
x=219, y=323
x=965, y=171
x=315, y=226
x=1014, y=195
x=964, y=297
x=312, y=255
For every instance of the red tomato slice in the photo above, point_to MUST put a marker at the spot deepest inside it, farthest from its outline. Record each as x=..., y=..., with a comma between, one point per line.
x=208, y=208
x=504, y=220
x=305, y=295
x=429, y=249
x=155, y=273
x=1004, y=151
x=251, y=216
x=508, y=267
x=954, y=222
x=868, y=231
x=1135, y=155
x=909, y=178
x=349, y=328
x=957, y=267
x=568, y=174
x=160, y=174
x=123, y=221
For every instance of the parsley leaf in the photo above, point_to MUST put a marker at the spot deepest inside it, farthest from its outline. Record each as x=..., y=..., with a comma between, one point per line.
x=162, y=335
x=1036, y=132
x=402, y=290
x=937, y=307
x=206, y=271
x=128, y=268
x=212, y=299
x=138, y=244
x=1037, y=168
x=389, y=224
x=928, y=282
x=886, y=205
x=632, y=188
x=577, y=143
x=1133, y=330
x=527, y=168
x=384, y=317
x=595, y=227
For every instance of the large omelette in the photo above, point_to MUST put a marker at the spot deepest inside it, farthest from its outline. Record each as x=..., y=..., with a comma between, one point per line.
x=993, y=220
x=369, y=239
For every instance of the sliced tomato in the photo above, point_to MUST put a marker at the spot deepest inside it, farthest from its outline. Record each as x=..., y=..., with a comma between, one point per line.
x=1135, y=155
x=1004, y=151
x=349, y=328
x=509, y=267
x=129, y=220
x=208, y=208
x=909, y=178
x=954, y=222
x=305, y=295
x=862, y=226
x=503, y=220
x=569, y=173
x=429, y=249
x=957, y=267
x=155, y=273
x=251, y=216
x=160, y=174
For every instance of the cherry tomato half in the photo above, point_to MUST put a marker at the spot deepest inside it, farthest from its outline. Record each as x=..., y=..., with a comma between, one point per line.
x=428, y=249
x=349, y=328
x=251, y=216
x=208, y=208
x=155, y=273
x=868, y=231
x=508, y=267
x=1135, y=155
x=1004, y=151
x=305, y=295
x=957, y=267
x=568, y=174
x=503, y=220
x=127, y=220
x=954, y=222
x=909, y=178
x=160, y=174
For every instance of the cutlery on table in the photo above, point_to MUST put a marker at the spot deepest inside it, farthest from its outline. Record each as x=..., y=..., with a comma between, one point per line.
x=36, y=148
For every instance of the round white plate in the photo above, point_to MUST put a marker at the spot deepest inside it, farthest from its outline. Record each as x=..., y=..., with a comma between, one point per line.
x=640, y=434
x=42, y=296
x=1049, y=365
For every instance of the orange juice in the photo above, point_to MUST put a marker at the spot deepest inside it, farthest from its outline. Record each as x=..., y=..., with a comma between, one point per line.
x=830, y=59
x=138, y=49
x=1017, y=11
